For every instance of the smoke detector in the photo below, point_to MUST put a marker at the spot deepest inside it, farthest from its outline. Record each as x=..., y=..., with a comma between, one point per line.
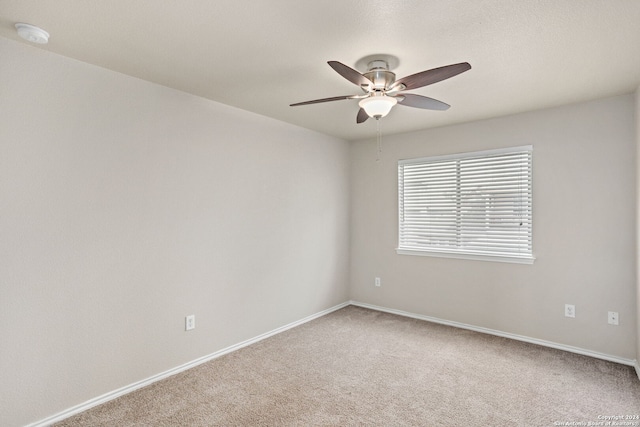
x=32, y=33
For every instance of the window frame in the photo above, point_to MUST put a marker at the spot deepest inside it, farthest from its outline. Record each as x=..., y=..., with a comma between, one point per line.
x=465, y=253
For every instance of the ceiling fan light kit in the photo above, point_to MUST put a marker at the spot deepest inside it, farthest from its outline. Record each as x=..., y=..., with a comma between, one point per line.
x=377, y=106
x=382, y=91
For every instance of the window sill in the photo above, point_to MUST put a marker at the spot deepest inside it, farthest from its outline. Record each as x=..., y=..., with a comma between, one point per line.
x=525, y=259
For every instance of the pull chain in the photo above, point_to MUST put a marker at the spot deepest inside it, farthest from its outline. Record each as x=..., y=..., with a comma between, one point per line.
x=378, y=139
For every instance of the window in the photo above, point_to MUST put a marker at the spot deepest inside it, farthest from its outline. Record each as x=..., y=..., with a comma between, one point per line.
x=471, y=205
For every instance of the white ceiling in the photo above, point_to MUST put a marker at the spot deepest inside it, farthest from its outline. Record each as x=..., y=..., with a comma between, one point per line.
x=262, y=55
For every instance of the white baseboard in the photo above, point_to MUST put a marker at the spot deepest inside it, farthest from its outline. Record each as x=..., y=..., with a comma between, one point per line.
x=578, y=350
x=137, y=385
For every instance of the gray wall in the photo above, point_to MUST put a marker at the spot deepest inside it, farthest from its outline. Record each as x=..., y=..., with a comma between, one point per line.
x=584, y=221
x=126, y=206
x=637, y=230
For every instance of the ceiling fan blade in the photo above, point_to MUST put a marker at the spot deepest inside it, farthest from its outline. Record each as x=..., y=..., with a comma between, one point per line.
x=362, y=116
x=350, y=74
x=435, y=75
x=419, y=101
x=317, y=101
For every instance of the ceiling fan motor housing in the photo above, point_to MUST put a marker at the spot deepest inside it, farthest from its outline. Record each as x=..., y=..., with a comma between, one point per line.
x=378, y=72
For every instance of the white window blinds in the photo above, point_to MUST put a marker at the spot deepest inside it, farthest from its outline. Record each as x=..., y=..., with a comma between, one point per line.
x=472, y=205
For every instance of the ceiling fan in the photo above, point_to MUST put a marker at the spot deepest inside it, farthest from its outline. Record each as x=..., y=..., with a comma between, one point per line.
x=382, y=91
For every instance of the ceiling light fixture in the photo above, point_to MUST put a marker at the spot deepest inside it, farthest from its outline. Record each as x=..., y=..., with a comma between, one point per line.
x=377, y=106
x=32, y=33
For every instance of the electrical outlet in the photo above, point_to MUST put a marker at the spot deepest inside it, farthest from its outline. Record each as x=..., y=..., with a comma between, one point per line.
x=569, y=310
x=377, y=282
x=613, y=318
x=190, y=322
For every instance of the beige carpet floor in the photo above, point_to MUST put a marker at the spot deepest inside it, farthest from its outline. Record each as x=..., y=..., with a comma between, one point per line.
x=358, y=367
